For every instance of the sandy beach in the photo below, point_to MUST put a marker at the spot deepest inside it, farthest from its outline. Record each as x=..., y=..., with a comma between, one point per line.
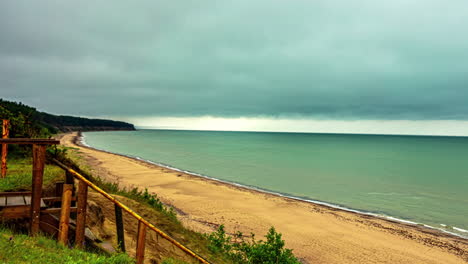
x=316, y=233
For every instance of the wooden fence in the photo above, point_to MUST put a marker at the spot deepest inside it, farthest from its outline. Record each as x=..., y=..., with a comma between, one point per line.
x=33, y=210
x=143, y=224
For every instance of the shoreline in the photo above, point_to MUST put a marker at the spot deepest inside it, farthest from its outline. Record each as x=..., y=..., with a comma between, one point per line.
x=403, y=230
x=80, y=140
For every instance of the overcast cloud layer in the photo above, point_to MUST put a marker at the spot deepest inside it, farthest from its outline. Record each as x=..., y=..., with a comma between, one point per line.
x=362, y=59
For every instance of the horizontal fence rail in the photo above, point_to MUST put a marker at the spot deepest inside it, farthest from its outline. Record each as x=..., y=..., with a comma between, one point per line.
x=143, y=223
x=29, y=141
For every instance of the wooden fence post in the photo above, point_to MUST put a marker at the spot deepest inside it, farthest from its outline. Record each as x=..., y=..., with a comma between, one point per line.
x=58, y=193
x=5, y=134
x=69, y=179
x=81, y=214
x=120, y=228
x=65, y=214
x=141, y=237
x=36, y=194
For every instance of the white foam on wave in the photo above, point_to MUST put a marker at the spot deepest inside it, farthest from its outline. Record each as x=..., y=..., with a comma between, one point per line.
x=386, y=194
x=401, y=220
x=82, y=141
x=460, y=230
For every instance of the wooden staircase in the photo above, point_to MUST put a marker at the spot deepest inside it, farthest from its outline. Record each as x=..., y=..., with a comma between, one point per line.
x=53, y=215
x=17, y=206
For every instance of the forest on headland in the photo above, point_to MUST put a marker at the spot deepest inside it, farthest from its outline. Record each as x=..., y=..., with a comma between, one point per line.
x=27, y=121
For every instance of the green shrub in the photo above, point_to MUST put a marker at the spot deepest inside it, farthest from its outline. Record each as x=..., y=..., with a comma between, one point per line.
x=219, y=241
x=239, y=250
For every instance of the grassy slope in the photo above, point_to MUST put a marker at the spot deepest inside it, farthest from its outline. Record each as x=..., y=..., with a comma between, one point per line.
x=20, y=248
x=19, y=175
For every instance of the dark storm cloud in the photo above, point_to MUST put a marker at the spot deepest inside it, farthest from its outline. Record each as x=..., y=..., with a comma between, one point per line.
x=329, y=59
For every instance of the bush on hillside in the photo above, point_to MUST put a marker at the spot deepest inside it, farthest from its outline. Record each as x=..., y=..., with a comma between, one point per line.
x=239, y=250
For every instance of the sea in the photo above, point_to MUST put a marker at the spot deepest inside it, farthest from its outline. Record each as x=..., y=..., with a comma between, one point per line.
x=414, y=179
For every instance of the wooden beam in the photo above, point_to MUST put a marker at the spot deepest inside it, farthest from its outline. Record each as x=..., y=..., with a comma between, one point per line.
x=65, y=214
x=58, y=193
x=30, y=141
x=141, y=237
x=69, y=179
x=59, y=188
x=36, y=194
x=81, y=214
x=3, y=194
x=120, y=228
x=15, y=212
x=5, y=134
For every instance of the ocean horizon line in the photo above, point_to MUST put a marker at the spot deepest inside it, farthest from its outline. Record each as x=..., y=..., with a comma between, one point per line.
x=294, y=132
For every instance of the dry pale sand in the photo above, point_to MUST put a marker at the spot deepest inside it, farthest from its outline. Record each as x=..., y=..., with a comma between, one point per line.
x=316, y=233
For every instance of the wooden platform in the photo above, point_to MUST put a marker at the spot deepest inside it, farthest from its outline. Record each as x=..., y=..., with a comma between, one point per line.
x=16, y=205
x=8, y=201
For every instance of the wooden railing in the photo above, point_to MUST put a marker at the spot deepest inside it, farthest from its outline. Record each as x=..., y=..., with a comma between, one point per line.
x=39, y=157
x=143, y=224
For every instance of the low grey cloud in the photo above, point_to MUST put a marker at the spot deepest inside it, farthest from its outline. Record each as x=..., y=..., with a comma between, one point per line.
x=363, y=59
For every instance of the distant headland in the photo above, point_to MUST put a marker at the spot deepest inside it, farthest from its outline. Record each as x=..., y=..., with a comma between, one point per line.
x=57, y=123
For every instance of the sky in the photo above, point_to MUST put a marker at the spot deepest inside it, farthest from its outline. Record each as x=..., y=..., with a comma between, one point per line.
x=174, y=63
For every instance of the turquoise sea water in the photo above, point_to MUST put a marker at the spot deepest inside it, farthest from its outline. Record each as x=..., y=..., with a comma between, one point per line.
x=415, y=178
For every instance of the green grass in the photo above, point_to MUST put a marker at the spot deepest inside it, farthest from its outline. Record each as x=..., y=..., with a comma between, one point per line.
x=19, y=175
x=20, y=248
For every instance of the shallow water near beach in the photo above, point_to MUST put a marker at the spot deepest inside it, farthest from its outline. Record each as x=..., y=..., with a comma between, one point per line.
x=414, y=178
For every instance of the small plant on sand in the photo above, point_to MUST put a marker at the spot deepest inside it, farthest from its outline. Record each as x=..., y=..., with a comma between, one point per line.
x=239, y=250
